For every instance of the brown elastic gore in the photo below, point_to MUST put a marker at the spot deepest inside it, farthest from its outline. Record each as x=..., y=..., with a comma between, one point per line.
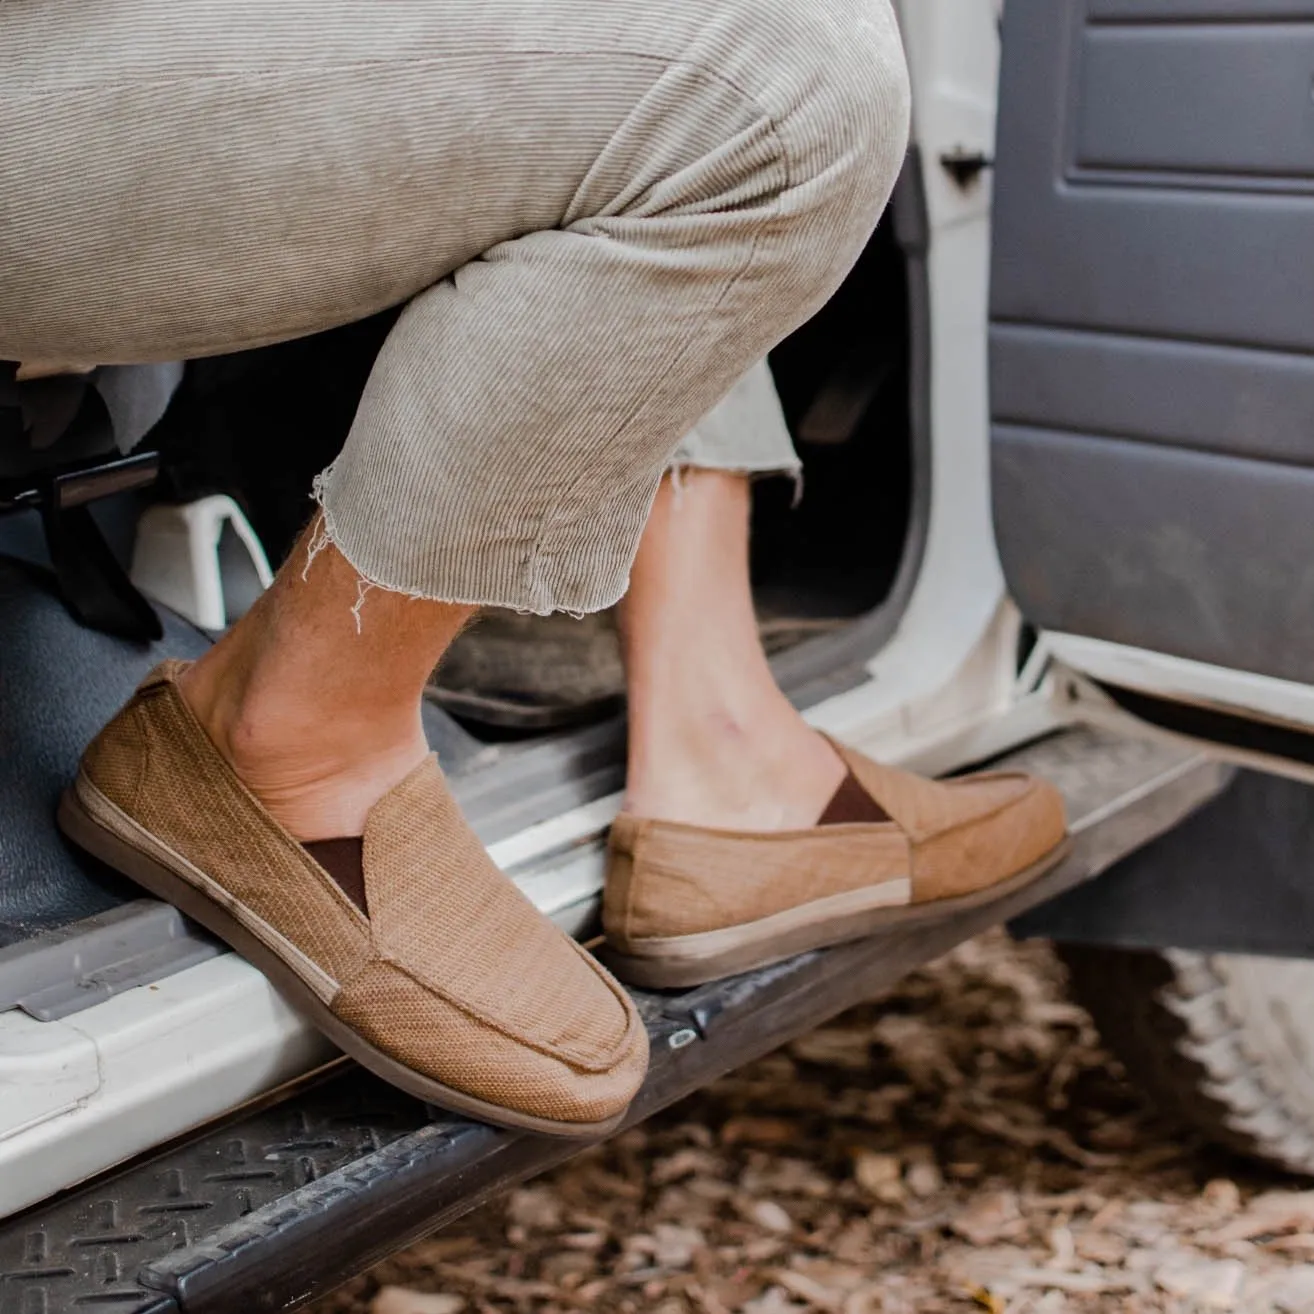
x=851, y=803
x=344, y=860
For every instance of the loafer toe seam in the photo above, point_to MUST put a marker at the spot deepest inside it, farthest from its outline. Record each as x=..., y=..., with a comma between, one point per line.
x=573, y=1058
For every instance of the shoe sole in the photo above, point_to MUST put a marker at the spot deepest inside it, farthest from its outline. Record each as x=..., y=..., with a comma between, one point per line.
x=118, y=851
x=688, y=960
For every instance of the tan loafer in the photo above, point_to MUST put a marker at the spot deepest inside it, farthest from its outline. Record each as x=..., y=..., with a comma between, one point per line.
x=687, y=904
x=445, y=980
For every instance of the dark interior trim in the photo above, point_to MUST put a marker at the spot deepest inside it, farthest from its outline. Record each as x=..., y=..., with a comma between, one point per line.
x=1207, y=723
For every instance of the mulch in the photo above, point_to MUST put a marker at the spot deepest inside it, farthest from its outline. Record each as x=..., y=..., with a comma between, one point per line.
x=963, y=1143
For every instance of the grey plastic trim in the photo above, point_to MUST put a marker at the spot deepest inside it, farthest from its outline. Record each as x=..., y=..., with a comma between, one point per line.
x=1223, y=119
x=1152, y=350
x=69, y=969
x=1174, y=262
x=1237, y=877
x=1190, y=553
x=1231, y=400
x=1204, y=11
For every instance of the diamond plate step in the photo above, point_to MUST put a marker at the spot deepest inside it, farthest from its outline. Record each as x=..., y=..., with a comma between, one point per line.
x=279, y=1205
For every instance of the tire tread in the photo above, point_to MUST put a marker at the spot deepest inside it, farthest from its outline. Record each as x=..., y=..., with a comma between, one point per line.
x=1169, y=1017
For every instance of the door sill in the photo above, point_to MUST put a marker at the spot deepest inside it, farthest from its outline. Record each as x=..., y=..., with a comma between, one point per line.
x=1180, y=679
x=163, y=1057
x=316, y=1186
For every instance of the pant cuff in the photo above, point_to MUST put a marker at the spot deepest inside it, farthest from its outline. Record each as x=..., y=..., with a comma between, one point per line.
x=590, y=574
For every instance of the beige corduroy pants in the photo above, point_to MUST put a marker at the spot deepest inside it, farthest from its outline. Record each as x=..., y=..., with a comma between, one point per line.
x=601, y=213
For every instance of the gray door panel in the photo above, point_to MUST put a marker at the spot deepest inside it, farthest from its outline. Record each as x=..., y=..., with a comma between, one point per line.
x=1152, y=336
x=1246, y=11
x=1190, y=394
x=1212, y=99
x=1164, y=548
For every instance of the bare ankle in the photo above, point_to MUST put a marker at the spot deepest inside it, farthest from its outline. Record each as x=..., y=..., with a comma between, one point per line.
x=317, y=773
x=773, y=773
x=319, y=717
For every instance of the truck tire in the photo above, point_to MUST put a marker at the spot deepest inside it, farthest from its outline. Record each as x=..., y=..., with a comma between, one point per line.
x=1222, y=1042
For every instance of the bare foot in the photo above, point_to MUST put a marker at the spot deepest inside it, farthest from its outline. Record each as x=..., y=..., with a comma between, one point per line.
x=317, y=775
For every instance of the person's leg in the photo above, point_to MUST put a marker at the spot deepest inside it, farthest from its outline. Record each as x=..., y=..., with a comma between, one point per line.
x=745, y=836
x=661, y=194
x=713, y=741
x=320, y=720
x=585, y=281
x=600, y=212
x=528, y=666
x=744, y=433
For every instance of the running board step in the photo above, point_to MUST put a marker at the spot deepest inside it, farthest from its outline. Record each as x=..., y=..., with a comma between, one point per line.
x=65, y=970
x=280, y=1204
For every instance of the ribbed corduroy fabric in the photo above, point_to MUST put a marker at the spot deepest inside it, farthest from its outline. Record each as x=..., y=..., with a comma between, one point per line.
x=745, y=432
x=601, y=212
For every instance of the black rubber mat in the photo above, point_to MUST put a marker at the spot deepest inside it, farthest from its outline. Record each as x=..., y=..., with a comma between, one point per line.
x=59, y=683
x=89, y=1255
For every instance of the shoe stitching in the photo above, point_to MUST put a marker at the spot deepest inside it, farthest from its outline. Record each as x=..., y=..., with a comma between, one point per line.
x=636, y=875
x=144, y=733
x=152, y=846
x=659, y=868
x=574, y=1058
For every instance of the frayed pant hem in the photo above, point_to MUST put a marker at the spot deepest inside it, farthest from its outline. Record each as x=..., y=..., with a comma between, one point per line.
x=679, y=465
x=464, y=593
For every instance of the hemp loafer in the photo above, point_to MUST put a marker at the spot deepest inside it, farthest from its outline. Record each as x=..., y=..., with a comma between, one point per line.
x=430, y=967
x=686, y=904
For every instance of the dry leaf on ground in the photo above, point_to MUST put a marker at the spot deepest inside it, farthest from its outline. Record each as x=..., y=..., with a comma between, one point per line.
x=963, y=1143
x=398, y=1300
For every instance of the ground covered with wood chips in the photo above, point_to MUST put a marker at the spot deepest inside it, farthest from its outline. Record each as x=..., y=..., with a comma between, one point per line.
x=964, y=1143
